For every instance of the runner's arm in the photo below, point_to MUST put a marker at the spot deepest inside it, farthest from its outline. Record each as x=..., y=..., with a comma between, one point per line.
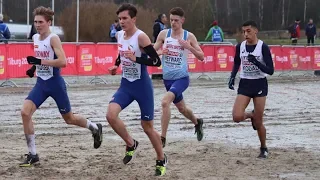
x=195, y=48
x=267, y=58
x=236, y=62
x=154, y=59
x=160, y=40
x=58, y=50
x=209, y=35
x=118, y=61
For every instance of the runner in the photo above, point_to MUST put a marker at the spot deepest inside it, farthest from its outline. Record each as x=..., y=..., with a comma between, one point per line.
x=135, y=85
x=49, y=58
x=177, y=43
x=256, y=62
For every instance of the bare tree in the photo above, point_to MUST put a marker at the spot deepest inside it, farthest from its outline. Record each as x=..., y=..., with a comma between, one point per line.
x=288, y=11
x=305, y=10
x=261, y=13
x=249, y=9
x=216, y=8
x=228, y=8
x=282, y=23
x=241, y=10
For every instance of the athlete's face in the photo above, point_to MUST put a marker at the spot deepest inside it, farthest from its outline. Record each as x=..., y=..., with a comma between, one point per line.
x=41, y=24
x=176, y=21
x=126, y=22
x=250, y=33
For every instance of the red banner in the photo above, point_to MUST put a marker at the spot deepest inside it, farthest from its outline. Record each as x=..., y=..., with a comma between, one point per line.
x=71, y=55
x=3, y=62
x=314, y=52
x=194, y=65
x=224, y=56
x=277, y=57
x=106, y=55
x=304, y=60
x=94, y=59
x=17, y=63
x=85, y=61
x=291, y=57
x=208, y=64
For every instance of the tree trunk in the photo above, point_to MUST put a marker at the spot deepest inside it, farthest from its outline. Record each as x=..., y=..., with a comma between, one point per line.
x=261, y=13
x=288, y=11
x=305, y=11
x=282, y=23
x=249, y=9
x=241, y=10
x=216, y=6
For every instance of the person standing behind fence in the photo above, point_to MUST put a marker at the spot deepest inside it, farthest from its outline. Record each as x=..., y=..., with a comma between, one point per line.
x=177, y=43
x=114, y=28
x=294, y=31
x=33, y=31
x=311, y=32
x=254, y=58
x=215, y=33
x=49, y=58
x=159, y=25
x=4, y=30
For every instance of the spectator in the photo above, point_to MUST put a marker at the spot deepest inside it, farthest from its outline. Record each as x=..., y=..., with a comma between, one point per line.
x=114, y=28
x=215, y=33
x=33, y=31
x=294, y=31
x=311, y=32
x=159, y=25
x=4, y=30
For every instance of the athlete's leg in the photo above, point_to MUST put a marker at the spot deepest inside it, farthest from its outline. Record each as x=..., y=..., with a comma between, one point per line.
x=146, y=103
x=239, y=108
x=35, y=98
x=187, y=112
x=60, y=95
x=166, y=112
x=259, y=102
x=120, y=100
x=259, y=105
x=26, y=113
x=175, y=89
x=117, y=124
x=178, y=87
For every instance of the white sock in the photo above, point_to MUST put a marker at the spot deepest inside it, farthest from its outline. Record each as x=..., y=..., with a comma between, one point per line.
x=31, y=142
x=91, y=125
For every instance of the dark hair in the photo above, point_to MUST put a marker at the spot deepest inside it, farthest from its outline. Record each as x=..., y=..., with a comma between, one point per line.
x=47, y=13
x=128, y=7
x=116, y=21
x=250, y=23
x=160, y=16
x=177, y=11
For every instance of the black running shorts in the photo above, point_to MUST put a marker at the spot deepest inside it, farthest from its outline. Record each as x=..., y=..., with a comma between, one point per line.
x=253, y=87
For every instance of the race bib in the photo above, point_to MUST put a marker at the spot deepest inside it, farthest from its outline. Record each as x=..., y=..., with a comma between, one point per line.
x=44, y=71
x=173, y=60
x=131, y=70
x=249, y=69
